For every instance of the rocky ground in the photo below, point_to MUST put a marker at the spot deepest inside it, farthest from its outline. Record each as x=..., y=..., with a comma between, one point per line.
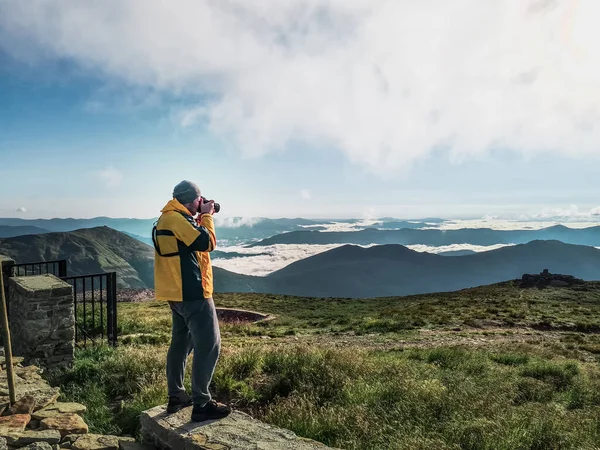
x=38, y=421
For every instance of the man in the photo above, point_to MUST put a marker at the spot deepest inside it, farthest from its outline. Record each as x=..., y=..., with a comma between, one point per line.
x=183, y=277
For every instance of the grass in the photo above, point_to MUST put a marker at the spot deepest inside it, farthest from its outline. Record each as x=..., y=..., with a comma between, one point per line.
x=500, y=305
x=360, y=374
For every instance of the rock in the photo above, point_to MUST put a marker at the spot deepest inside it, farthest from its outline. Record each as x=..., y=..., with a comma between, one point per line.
x=34, y=424
x=13, y=424
x=29, y=372
x=236, y=432
x=546, y=278
x=65, y=424
x=38, y=446
x=70, y=438
x=28, y=382
x=99, y=442
x=31, y=436
x=24, y=405
x=3, y=444
x=134, y=446
x=58, y=409
x=15, y=361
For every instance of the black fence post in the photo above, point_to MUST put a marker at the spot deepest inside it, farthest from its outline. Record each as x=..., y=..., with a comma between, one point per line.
x=111, y=308
x=62, y=268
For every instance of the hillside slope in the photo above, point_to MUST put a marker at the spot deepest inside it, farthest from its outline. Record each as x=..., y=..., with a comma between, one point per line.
x=89, y=250
x=388, y=270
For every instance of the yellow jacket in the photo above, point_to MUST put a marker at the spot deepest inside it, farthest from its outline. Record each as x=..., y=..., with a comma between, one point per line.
x=182, y=269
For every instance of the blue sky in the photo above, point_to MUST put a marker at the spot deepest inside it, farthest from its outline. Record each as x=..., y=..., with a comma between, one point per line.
x=106, y=122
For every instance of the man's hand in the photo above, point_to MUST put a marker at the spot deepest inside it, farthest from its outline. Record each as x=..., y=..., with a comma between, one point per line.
x=207, y=208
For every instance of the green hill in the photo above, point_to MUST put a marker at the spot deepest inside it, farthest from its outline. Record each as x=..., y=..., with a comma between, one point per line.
x=90, y=250
x=495, y=367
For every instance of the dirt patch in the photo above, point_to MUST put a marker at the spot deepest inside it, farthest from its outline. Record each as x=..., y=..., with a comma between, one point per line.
x=230, y=315
x=135, y=295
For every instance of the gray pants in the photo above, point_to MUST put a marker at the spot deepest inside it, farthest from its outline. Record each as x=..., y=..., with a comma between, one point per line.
x=195, y=327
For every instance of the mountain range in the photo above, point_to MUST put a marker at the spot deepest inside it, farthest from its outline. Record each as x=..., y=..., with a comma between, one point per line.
x=347, y=271
x=434, y=237
x=11, y=231
x=231, y=231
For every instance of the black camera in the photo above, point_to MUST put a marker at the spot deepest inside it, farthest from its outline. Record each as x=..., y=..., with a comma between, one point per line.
x=216, y=205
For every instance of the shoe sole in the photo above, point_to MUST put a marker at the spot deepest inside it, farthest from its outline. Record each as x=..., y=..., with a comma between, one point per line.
x=174, y=409
x=204, y=419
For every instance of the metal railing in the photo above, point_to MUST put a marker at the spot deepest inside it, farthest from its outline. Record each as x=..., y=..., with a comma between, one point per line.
x=57, y=268
x=95, y=299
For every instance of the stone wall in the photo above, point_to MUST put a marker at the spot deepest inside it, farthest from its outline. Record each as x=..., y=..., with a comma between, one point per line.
x=42, y=320
x=38, y=421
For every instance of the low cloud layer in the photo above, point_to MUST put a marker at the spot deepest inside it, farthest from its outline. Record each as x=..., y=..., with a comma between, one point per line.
x=385, y=82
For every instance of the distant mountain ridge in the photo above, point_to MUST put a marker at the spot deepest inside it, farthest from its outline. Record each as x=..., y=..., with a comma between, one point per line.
x=434, y=237
x=235, y=230
x=347, y=271
x=18, y=230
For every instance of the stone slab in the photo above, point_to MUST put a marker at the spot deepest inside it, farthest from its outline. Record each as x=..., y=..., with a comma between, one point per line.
x=99, y=442
x=238, y=431
x=42, y=283
x=38, y=446
x=59, y=408
x=65, y=424
x=30, y=436
x=24, y=405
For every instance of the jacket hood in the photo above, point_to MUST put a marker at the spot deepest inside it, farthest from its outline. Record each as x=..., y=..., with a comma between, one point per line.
x=175, y=205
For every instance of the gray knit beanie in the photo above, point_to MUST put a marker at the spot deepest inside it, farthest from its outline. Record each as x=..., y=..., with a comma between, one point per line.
x=186, y=192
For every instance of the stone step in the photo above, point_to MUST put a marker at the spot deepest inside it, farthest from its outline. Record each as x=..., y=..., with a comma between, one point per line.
x=98, y=442
x=16, y=361
x=238, y=431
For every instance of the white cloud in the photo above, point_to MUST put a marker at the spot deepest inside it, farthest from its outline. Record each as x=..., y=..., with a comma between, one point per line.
x=305, y=194
x=111, y=177
x=343, y=226
x=235, y=222
x=266, y=259
x=386, y=82
x=22, y=209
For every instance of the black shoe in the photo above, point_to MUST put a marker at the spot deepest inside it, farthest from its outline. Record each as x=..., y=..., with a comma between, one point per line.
x=212, y=410
x=178, y=403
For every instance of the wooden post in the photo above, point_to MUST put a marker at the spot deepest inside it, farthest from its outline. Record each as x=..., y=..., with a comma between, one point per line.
x=7, y=347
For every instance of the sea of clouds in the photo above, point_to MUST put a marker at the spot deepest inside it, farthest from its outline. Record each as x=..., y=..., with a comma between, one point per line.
x=263, y=260
x=260, y=261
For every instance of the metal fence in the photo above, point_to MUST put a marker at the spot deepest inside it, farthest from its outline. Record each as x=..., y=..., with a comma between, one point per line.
x=57, y=268
x=95, y=298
